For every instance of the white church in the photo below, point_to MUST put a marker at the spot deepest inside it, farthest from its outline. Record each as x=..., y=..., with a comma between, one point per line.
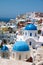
x=30, y=35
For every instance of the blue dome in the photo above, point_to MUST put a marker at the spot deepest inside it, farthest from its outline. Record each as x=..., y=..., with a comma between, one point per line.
x=30, y=27
x=21, y=46
x=4, y=48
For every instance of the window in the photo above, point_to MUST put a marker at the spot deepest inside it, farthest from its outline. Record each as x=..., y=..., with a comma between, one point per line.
x=42, y=44
x=42, y=34
x=30, y=34
x=22, y=33
x=3, y=55
x=25, y=33
x=38, y=36
x=35, y=34
x=30, y=43
x=13, y=55
x=19, y=57
x=26, y=56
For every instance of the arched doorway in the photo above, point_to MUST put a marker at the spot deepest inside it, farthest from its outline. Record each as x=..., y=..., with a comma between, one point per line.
x=31, y=42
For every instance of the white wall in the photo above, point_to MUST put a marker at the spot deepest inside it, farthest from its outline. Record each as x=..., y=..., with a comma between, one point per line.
x=33, y=42
x=23, y=55
x=28, y=33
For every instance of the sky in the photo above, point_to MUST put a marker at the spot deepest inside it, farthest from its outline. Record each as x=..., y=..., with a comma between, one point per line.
x=11, y=8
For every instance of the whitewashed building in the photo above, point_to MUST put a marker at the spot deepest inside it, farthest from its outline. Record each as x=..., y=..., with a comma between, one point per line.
x=21, y=50
x=30, y=35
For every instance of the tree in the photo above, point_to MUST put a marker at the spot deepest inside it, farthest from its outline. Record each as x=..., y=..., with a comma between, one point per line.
x=39, y=31
x=4, y=41
x=10, y=30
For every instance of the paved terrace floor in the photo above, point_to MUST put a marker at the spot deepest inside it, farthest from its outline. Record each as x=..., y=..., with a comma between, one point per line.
x=13, y=62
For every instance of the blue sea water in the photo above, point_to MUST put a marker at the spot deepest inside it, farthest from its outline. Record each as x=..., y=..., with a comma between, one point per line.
x=6, y=19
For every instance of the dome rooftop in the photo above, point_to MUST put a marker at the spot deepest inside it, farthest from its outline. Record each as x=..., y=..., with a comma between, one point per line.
x=30, y=27
x=21, y=46
x=4, y=48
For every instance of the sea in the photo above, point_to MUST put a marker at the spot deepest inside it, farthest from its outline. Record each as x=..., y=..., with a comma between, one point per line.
x=6, y=19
